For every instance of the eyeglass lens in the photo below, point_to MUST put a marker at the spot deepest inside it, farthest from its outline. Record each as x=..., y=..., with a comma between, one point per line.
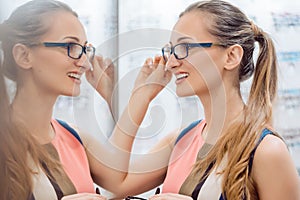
x=76, y=51
x=180, y=51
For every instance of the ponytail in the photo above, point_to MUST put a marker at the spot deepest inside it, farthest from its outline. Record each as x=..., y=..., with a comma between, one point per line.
x=238, y=184
x=264, y=86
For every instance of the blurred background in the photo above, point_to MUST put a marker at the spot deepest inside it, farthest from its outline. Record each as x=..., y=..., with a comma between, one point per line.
x=130, y=31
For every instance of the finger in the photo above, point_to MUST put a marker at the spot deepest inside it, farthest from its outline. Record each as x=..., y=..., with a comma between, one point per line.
x=94, y=74
x=157, y=59
x=108, y=62
x=167, y=73
x=161, y=65
x=97, y=63
x=99, y=66
x=148, y=66
x=149, y=62
x=100, y=60
x=94, y=64
x=109, y=67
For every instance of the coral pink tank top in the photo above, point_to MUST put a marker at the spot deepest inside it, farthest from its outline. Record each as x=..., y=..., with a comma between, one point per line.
x=183, y=157
x=73, y=158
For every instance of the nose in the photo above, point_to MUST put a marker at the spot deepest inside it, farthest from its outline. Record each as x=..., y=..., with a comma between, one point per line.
x=172, y=62
x=84, y=62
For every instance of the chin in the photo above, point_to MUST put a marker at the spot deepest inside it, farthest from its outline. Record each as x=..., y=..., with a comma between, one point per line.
x=73, y=93
x=184, y=93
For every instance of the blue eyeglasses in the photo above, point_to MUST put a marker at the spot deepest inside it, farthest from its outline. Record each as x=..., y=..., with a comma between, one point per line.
x=181, y=51
x=75, y=50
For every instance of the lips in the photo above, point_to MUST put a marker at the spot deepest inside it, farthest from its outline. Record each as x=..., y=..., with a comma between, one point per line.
x=74, y=75
x=182, y=75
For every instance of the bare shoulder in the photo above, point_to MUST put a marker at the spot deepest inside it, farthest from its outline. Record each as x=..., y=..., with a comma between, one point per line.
x=272, y=147
x=272, y=154
x=274, y=171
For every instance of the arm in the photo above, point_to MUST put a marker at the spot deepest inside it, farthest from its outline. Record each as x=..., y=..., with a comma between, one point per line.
x=146, y=171
x=109, y=159
x=274, y=172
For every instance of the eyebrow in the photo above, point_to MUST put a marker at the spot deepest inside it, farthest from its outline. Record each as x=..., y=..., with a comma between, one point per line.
x=74, y=38
x=184, y=38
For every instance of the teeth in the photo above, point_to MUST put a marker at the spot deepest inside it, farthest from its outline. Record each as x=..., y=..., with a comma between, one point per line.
x=181, y=76
x=73, y=75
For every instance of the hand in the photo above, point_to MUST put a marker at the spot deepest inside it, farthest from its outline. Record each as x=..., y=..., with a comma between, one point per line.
x=170, y=196
x=152, y=78
x=84, y=196
x=101, y=77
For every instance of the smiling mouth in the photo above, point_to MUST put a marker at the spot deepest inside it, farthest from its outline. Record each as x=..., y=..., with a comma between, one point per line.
x=74, y=75
x=181, y=76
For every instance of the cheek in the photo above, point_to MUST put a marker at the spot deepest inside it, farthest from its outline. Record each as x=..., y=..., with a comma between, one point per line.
x=50, y=55
x=48, y=69
x=203, y=65
x=207, y=71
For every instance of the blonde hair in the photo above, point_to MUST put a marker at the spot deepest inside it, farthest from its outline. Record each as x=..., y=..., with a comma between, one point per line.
x=25, y=25
x=230, y=26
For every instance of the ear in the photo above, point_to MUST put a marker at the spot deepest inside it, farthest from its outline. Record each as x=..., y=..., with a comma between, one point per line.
x=22, y=56
x=234, y=56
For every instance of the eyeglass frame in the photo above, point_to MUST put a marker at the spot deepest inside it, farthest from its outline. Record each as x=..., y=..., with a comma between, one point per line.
x=187, y=46
x=68, y=45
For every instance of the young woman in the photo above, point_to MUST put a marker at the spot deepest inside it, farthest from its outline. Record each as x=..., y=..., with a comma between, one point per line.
x=210, y=52
x=233, y=153
x=248, y=159
x=45, y=51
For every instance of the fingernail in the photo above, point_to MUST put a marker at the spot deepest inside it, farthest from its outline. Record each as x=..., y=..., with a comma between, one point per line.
x=90, y=67
x=150, y=63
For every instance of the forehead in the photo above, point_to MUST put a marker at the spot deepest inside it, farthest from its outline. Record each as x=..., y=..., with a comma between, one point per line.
x=193, y=25
x=63, y=24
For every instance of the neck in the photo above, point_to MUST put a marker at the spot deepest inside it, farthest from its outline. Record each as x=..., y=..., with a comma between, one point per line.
x=221, y=107
x=34, y=111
